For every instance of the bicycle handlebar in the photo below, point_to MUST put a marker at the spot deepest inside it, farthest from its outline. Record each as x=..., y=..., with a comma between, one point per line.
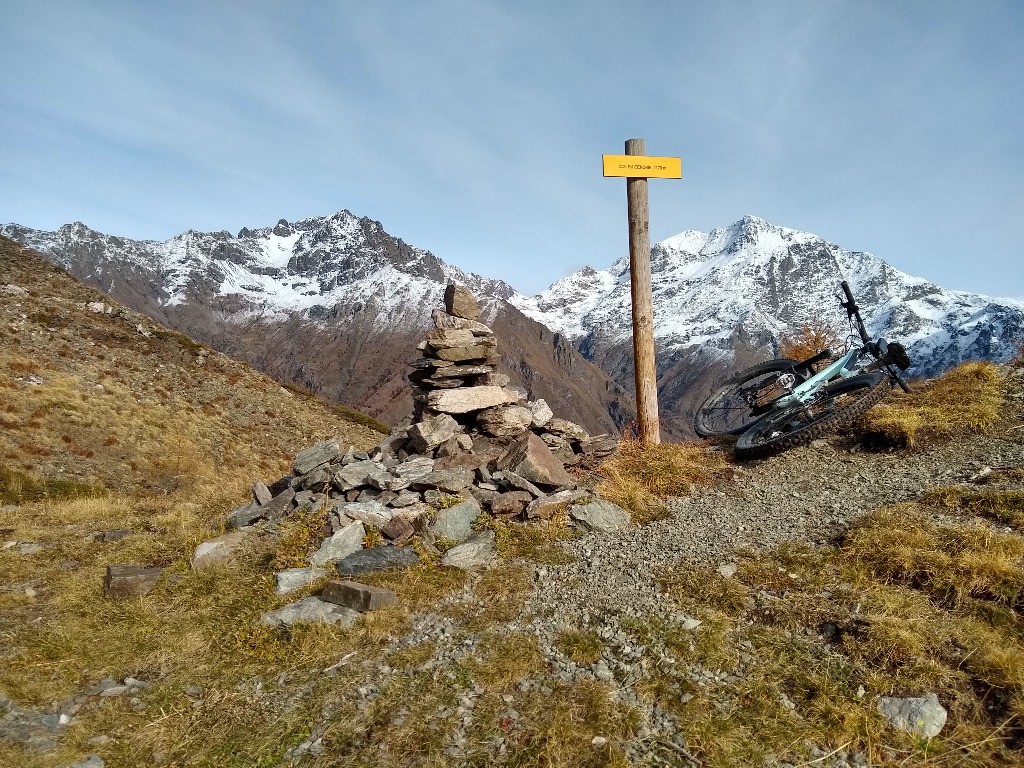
x=852, y=310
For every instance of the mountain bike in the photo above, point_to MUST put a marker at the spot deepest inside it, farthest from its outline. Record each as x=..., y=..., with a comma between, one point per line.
x=780, y=404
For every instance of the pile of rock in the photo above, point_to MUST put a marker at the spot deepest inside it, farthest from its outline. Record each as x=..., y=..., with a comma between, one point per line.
x=475, y=447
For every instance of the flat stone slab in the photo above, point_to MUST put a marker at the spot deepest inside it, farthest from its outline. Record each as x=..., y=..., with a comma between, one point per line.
x=218, y=550
x=317, y=455
x=311, y=610
x=292, y=579
x=475, y=552
x=546, y=506
x=339, y=546
x=384, y=558
x=358, y=597
x=129, y=580
x=456, y=523
x=467, y=399
x=601, y=515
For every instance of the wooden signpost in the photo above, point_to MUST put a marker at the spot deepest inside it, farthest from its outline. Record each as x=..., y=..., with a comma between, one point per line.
x=637, y=167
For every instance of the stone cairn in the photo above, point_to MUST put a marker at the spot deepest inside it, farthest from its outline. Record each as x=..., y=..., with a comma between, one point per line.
x=474, y=447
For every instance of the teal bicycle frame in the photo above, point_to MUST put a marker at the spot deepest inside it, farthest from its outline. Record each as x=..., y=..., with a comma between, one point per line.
x=843, y=368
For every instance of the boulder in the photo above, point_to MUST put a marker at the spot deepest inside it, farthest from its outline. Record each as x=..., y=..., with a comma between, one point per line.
x=322, y=453
x=468, y=399
x=292, y=579
x=342, y=544
x=475, y=552
x=510, y=504
x=311, y=610
x=450, y=338
x=444, y=320
x=382, y=558
x=566, y=429
x=540, y=412
x=531, y=459
x=261, y=493
x=360, y=473
x=480, y=352
x=448, y=480
x=371, y=513
x=546, y=506
x=217, y=550
x=459, y=302
x=600, y=515
x=129, y=580
x=358, y=597
x=429, y=433
x=921, y=716
x=504, y=420
x=398, y=528
x=456, y=523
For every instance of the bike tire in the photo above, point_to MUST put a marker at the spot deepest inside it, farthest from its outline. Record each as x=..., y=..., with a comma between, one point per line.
x=727, y=411
x=840, y=404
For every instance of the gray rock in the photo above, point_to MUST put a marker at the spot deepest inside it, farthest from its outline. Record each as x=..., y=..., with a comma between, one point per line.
x=129, y=580
x=406, y=498
x=342, y=544
x=921, y=716
x=504, y=420
x=217, y=550
x=475, y=552
x=468, y=399
x=261, y=493
x=450, y=480
x=540, y=412
x=317, y=455
x=429, y=433
x=459, y=302
x=600, y=515
x=456, y=523
x=358, y=597
x=513, y=480
x=530, y=458
x=292, y=579
x=360, y=473
x=383, y=558
x=245, y=515
x=311, y=610
x=371, y=513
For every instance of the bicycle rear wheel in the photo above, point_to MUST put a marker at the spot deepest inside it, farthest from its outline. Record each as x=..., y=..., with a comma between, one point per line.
x=740, y=400
x=836, y=405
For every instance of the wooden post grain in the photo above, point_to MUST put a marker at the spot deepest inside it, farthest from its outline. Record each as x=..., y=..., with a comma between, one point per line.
x=643, y=303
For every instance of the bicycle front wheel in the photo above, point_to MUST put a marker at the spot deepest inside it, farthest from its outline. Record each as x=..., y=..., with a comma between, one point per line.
x=740, y=400
x=836, y=405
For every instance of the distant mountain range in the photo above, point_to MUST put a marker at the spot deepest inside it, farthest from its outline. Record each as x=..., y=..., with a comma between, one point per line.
x=337, y=304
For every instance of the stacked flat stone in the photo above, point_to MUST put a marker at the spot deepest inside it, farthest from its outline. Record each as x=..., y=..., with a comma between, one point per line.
x=475, y=448
x=457, y=374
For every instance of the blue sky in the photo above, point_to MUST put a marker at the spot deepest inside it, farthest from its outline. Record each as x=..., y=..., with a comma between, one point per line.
x=475, y=129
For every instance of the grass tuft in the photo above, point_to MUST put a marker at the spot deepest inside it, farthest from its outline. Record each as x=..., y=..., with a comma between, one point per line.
x=641, y=478
x=969, y=397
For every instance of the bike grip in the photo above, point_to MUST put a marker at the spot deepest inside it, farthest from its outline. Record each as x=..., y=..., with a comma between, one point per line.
x=846, y=289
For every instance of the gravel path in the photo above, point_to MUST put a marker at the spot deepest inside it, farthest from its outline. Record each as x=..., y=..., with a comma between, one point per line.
x=810, y=493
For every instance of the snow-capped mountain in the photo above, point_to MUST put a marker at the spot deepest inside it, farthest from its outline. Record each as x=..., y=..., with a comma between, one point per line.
x=337, y=304
x=755, y=281
x=333, y=303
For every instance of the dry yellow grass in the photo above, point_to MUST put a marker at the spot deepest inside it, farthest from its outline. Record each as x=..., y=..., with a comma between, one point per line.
x=967, y=398
x=902, y=607
x=640, y=478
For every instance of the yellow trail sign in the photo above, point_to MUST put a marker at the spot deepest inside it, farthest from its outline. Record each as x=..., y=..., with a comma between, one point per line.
x=641, y=166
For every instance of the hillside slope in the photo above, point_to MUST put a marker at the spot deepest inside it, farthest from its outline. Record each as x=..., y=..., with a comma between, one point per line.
x=92, y=392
